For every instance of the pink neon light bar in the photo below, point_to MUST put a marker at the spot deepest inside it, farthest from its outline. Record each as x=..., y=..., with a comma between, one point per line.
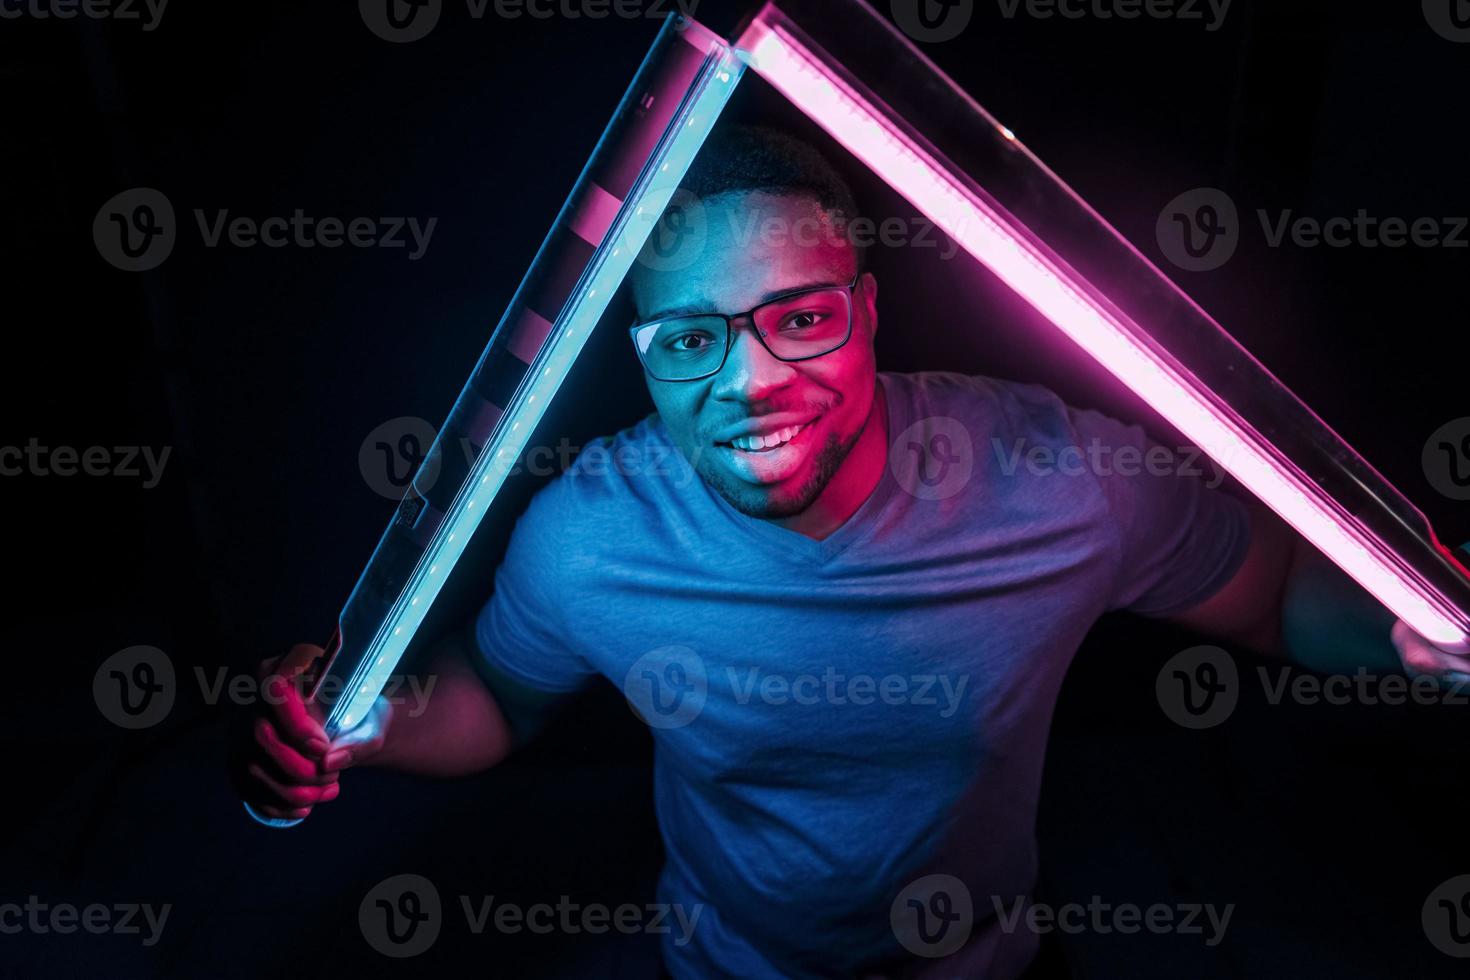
x=783, y=54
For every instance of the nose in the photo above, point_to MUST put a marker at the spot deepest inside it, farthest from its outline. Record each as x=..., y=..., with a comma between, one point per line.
x=751, y=372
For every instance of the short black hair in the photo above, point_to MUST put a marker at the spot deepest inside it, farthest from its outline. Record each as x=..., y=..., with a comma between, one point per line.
x=745, y=157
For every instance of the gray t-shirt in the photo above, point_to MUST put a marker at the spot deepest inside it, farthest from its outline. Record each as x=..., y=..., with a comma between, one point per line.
x=837, y=722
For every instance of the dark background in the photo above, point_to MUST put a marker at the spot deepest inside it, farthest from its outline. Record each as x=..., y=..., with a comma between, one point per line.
x=264, y=371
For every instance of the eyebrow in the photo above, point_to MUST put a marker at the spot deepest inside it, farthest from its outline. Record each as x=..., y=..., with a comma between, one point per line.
x=703, y=306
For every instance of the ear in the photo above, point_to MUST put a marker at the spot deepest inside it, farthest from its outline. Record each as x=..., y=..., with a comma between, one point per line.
x=870, y=301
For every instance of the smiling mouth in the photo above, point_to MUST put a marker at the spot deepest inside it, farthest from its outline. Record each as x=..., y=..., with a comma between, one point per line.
x=768, y=443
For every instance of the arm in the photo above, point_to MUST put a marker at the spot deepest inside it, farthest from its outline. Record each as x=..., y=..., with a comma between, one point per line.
x=1284, y=598
x=1290, y=601
x=1248, y=609
x=283, y=765
x=478, y=712
x=476, y=716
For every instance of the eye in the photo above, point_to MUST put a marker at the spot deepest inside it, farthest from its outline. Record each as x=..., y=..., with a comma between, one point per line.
x=802, y=320
x=689, y=342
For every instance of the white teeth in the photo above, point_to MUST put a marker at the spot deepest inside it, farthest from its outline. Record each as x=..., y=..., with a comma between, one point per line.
x=777, y=438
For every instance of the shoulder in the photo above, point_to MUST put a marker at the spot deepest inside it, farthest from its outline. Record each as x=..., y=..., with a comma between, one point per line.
x=596, y=492
x=613, y=473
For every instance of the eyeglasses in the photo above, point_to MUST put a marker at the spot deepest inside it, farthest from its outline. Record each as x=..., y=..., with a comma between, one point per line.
x=794, y=326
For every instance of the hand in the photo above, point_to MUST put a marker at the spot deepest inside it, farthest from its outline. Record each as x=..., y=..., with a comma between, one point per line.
x=283, y=764
x=1421, y=657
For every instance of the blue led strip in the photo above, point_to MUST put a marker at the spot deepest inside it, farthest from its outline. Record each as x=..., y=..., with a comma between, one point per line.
x=656, y=185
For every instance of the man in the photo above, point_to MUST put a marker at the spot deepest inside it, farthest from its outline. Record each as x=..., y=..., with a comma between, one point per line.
x=842, y=602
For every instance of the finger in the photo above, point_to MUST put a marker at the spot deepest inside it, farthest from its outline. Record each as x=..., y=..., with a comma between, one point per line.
x=345, y=754
x=296, y=667
x=370, y=731
x=288, y=796
x=1421, y=656
x=363, y=740
x=277, y=813
x=293, y=722
x=286, y=764
x=338, y=759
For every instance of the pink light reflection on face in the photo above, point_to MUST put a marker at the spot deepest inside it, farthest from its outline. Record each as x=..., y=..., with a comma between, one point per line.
x=815, y=481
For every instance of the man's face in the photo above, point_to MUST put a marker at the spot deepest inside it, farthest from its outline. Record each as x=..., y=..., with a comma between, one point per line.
x=741, y=264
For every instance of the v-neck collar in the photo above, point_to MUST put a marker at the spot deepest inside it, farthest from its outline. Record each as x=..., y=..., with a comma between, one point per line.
x=797, y=545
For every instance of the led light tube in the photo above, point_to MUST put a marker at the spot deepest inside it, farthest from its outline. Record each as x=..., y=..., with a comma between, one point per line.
x=569, y=335
x=676, y=97
x=778, y=56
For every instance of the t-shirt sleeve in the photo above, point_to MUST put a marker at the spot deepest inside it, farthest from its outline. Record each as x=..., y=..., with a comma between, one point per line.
x=522, y=628
x=1179, y=539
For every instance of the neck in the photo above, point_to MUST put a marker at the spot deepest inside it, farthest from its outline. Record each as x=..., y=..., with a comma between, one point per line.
x=854, y=480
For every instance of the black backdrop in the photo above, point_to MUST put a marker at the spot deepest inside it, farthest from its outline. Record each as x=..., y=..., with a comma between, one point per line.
x=264, y=370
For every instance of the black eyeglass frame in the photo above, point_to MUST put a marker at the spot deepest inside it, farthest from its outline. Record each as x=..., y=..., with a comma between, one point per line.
x=730, y=319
